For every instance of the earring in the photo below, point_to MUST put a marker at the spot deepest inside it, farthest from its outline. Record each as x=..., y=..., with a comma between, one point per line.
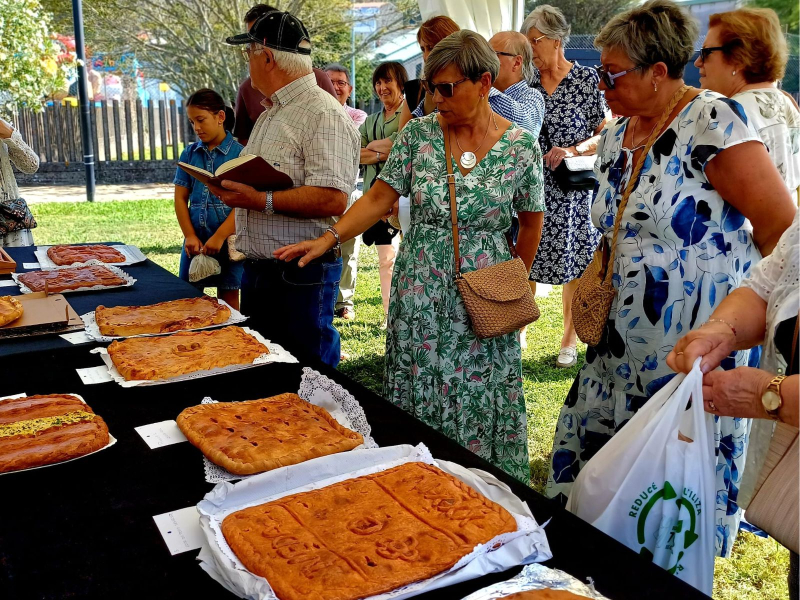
x=655, y=86
x=734, y=72
x=481, y=96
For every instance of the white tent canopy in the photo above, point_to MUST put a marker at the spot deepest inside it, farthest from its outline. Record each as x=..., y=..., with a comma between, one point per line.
x=487, y=17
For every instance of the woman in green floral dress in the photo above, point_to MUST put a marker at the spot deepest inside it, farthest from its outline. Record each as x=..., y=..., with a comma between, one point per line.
x=436, y=367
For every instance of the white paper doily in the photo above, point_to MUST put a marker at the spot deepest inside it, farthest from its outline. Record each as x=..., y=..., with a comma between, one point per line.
x=322, y=391
x=93, y=330
x=111, y=440
x=276, y=354
x=132, y=256
x=129, y=281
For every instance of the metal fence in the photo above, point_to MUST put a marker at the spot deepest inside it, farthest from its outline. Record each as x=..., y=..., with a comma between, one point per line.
x=121, y=131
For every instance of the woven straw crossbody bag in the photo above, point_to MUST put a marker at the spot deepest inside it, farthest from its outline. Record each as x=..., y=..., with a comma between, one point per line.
x=595, y=293
x=498, y=299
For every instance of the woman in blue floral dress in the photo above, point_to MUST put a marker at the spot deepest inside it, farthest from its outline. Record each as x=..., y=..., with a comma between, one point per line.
x=681, y=246
x=575, y=112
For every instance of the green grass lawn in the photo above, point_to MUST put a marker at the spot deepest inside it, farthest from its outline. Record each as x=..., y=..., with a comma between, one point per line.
x=758, y=568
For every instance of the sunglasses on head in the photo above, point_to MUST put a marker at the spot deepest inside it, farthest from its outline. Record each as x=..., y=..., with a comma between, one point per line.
x=608, y=78
x=445, y=89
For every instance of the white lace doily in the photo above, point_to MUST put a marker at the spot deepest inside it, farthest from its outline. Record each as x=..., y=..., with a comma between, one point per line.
x=132, y=256
x=129, y=281
x=276, y=354
x=314, y=387
x=93, y=331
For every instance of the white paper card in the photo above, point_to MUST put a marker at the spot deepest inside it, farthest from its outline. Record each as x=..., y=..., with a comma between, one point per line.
x=13, y=396
x=76, y=337
x=161, y=434
x=30, y=265
x=180, y=530
x=92, y=375
x=8, y=283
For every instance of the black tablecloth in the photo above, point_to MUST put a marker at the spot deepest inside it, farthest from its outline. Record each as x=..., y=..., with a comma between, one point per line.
x=153, y=284
x=84, y=529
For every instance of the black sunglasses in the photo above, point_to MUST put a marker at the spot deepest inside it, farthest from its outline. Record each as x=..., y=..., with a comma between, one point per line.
x=704, y=52
x=506, y=54
x=445, y=89
x=608, y=78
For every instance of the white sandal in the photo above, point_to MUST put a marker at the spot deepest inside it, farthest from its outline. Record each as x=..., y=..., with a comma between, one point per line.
x=568, y=357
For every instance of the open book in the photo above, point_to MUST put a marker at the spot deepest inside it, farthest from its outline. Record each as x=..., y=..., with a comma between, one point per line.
x=248, y=169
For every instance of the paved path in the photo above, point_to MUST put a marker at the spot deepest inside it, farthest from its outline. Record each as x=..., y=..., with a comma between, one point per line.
x=103, y=193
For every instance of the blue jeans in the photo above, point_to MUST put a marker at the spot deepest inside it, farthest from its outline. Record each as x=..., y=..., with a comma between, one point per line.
x=294, y=306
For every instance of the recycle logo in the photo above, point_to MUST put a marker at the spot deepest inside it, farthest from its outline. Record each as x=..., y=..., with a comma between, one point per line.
x=690, y=536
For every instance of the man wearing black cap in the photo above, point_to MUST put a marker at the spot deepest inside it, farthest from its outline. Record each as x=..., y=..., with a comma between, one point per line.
x=249, y=101
x=305, y=134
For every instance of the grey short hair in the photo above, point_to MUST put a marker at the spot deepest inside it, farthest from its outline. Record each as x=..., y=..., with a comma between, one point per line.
x=518, y=44
x=468, y=51
x=337, y=68
x=657, y=31
x=550, y=21
x=291, y=63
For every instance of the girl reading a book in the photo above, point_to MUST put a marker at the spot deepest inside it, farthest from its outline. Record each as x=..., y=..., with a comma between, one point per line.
x=205, y=221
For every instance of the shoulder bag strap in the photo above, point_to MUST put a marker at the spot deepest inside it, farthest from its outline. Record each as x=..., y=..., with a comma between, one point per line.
x=451, y=184
x=676, y=98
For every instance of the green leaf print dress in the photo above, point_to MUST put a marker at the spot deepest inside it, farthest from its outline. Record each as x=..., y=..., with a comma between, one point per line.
x=436, y=367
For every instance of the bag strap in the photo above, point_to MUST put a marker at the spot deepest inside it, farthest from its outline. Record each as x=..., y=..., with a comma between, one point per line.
x=676, y=98
x=451, y=184
x=794, y=344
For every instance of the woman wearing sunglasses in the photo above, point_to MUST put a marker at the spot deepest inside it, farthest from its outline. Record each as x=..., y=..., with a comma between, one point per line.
x=436, y=367
x=575, y=113
x=684, y=238
x=744, y=54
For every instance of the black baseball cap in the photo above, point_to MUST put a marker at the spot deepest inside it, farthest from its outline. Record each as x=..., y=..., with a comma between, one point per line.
x=278, y=30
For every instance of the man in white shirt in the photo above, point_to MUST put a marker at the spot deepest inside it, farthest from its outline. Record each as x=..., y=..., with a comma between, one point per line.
x=305, y=134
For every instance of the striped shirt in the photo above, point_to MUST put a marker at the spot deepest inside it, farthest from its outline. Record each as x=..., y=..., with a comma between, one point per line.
x=307, y=135
x=531, y=101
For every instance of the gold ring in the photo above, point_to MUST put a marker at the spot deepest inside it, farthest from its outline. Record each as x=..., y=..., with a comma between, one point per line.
x=679, y=354
x=712, y=407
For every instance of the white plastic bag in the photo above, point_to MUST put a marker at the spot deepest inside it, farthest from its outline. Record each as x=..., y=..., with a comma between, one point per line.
x=654, y=491
x=203, y=266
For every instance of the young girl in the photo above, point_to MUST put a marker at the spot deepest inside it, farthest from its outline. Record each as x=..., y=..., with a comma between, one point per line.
x=205, y=221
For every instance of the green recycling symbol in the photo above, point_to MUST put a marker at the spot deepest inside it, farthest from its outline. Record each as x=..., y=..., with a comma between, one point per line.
x=689, y=537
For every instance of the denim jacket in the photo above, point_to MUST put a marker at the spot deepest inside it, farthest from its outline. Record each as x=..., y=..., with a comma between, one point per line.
x=207, y=212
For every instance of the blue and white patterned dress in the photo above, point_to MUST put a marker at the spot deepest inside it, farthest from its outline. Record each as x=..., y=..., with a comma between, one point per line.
x=680, y=251
x=572, y=113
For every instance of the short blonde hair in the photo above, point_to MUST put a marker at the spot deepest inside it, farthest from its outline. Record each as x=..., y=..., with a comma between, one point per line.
x=753, y=37
x=657, y=31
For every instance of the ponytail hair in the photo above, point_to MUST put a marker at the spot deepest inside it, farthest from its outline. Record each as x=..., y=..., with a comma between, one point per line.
x=211, y=101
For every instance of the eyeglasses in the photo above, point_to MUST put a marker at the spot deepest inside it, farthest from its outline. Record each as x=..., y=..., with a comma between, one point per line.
x=608, y=78
x=254, y=49
x=445, y=89
x=536, y=40
x=507, y=54
x=704, y=52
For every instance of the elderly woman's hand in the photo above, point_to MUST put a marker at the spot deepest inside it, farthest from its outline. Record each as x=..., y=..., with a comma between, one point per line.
x=308, y=250
x=554, y=157
x=712, y=341
x=736, y=393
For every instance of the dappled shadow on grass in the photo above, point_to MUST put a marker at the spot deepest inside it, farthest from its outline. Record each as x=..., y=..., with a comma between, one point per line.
x=540, y=468
x=367, y=370
x=542, y=369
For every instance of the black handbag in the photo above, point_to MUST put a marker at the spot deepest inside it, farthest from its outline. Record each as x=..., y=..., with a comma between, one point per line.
x=15, y=215
x=574, y=173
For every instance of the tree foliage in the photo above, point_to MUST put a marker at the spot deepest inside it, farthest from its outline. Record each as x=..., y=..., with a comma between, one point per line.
x=788, y=12
x=584, y=16
x=30, y=67
x=182, y=42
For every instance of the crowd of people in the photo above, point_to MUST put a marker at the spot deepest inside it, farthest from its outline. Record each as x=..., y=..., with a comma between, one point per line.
x=705, y=261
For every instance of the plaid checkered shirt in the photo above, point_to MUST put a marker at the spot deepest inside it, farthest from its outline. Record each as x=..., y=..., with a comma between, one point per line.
x=307, y=135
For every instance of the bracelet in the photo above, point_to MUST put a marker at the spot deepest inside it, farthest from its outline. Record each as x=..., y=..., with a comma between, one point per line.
x=724, y=322
x=268, y=210
x=332, y=230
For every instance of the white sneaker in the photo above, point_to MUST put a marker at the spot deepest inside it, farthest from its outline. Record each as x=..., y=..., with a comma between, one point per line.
x=568, y=357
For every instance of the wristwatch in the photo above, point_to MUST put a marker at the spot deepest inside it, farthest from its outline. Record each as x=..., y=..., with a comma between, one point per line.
x=268, y=210
x=771, y=398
